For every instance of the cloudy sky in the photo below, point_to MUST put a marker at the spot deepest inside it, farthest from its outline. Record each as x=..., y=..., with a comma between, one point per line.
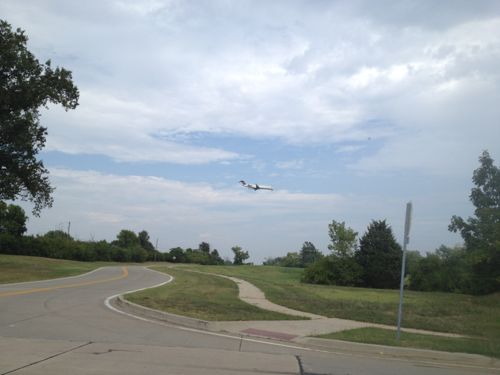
x=349, y=109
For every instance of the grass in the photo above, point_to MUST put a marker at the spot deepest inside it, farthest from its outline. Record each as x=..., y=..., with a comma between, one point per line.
x=203, y=297
x=18, y=268
x=413, y=340
x=477, y=316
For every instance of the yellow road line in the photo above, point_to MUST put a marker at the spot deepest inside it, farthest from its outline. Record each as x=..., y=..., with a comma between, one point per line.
x=47, y=289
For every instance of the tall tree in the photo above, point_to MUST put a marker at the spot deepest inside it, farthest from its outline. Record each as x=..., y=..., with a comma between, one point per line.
x=26, y=85
x=12, y=219
x=215, y=257
x=240, y=255
x=481, y=233
x=126, y=239
x=204, y=247
x=379, y=255
x=309, y=254
x=344, y=239
x=144, y=241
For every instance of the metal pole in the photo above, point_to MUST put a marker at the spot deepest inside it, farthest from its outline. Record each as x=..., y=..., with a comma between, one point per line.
x=403, y=264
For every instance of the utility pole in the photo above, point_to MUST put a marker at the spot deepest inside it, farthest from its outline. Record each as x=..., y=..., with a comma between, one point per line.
x=406, y=240
x=69, y=226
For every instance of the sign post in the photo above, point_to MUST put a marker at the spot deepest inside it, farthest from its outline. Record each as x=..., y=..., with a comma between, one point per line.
x=406, y=240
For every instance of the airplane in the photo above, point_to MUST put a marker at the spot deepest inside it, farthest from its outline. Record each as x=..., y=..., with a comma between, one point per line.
x=255, y=186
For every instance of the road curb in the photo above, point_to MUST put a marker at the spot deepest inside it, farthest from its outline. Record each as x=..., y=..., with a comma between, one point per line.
x=146, y=312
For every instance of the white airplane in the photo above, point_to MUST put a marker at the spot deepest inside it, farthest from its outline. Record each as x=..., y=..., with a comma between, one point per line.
x=255, y=186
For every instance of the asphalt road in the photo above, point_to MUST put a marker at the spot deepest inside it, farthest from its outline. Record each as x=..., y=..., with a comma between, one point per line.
x=64, y=327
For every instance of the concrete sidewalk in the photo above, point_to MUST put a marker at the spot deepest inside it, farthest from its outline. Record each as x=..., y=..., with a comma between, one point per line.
x=291, y=329
x=249, y=293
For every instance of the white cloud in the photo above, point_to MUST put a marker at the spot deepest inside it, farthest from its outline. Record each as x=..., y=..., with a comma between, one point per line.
x=124, y=130
x=302, y=73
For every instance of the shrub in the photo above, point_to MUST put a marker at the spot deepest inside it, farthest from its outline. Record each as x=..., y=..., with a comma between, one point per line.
x=333, y=270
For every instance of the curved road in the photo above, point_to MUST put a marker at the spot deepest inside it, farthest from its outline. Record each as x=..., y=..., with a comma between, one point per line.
x=63, y=326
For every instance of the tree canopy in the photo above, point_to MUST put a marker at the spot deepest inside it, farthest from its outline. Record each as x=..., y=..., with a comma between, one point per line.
x=240, y=255
x=380, y=256
x=144, y=241
x=26, y=85
x=126, y=239
x=309, y=254
x=481, y=233
x=344, y=239
x=12, y=219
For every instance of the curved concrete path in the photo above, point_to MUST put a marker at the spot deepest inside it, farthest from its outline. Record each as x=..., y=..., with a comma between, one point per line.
x=249, y=293
x=290, y=329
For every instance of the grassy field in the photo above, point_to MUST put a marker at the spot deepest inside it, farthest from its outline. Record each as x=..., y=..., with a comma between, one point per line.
x=18, y=268
x=201, y=296
x=477, y=316
x=412, y=340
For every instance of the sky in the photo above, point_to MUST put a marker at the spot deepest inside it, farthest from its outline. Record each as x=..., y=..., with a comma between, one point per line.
x=349, y=109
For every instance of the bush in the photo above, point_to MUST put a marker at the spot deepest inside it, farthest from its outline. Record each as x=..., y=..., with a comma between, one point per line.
x=447, y=270
x=333, y=270
x=289, y=260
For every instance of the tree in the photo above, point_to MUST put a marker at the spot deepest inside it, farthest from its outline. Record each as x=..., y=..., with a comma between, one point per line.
x=343, y=239
x=215, y=257
x=126, y=239
x=58, y=234
x=239, y=255
x=144, y=241
x=481, y=233
x=309, y=254
x=12, y=219
x=291, y=259
x=379, y=256
x=177, y=255
x=340, y=267
x=25, y=86
x=446, y=270
x=204, y=247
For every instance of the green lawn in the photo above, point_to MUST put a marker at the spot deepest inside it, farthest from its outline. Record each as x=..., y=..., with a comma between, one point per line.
x=412, y=340
x=203, y=297
x=477, y=316
x=18, y=268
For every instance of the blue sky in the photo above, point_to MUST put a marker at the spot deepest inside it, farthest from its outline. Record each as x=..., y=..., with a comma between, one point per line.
x=349, y=109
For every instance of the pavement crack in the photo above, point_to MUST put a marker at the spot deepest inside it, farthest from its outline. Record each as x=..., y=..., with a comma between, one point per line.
x=46, y=359
x=301, y=368
x=116, y=350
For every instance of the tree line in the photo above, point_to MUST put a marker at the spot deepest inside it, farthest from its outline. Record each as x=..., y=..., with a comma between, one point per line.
x=127, y=247
x=375, y=260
